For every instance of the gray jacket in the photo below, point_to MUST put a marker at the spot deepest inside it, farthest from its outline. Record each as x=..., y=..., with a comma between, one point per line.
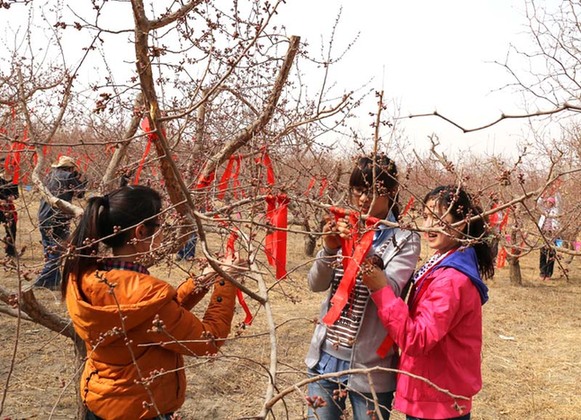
x=400, y=258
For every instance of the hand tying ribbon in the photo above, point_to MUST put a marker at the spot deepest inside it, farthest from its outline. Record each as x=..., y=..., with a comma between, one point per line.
x=354, y=250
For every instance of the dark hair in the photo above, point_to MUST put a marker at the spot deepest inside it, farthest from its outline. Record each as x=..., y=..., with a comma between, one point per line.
x=459, y=204
x=385, y=182
x=106, y=220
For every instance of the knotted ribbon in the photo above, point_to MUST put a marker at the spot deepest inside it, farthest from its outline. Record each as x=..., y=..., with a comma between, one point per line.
x=354, y=250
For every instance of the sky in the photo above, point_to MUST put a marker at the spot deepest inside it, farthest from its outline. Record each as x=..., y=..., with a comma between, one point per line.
x=427, y=55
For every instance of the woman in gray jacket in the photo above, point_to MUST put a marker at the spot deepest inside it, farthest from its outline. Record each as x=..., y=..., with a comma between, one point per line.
x=354, y=338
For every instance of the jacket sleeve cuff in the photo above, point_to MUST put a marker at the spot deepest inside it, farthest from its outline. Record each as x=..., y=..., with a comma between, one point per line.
x=383, y=297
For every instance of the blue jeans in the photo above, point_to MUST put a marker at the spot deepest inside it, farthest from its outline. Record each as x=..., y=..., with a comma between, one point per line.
x=361, y=403
x=189, y=249
x=53, y=238
x=464, y=417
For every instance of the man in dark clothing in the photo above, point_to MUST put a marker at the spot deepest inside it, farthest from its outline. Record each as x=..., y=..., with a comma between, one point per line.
x=64, y=182
x=8, y=215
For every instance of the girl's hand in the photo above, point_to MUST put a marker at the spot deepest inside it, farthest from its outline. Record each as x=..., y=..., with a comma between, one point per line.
x=231, y=264
x=373, y=277
x=330, y=235
x=336, y=230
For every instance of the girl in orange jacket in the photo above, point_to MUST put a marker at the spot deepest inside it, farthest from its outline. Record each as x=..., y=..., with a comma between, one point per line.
x=136, y=327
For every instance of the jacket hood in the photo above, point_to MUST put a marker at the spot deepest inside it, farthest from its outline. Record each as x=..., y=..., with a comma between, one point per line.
x=465, y=261
x=101, y=316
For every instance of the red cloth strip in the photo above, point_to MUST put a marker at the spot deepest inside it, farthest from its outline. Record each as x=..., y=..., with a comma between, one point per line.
x=275, y=241
x=384, y=347
x=351, y=261
x=265, y=160
x=142, y=161
x=227, y=175
x=311, y=185
x=151, y=137
x=408, y=206
x=205, y=182
x=231, y=251
x=324, y=184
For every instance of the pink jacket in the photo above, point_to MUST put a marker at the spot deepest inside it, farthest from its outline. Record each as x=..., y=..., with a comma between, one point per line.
x=440, y=340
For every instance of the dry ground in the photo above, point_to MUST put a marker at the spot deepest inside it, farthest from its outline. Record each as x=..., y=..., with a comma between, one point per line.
x=531, y=353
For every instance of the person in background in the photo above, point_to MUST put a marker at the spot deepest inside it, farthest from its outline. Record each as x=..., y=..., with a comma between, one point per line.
x=188, y=251
x=495, y=221
x=354, y=340
x=549, y=224
x=65, y=182
x=439, y=330
x=8, y=214
x=136, y=327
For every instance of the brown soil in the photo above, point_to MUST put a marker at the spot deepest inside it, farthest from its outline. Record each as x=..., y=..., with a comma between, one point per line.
x=531, y=351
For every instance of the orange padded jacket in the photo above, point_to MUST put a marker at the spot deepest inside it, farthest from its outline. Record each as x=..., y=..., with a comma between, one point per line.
x=136, y=329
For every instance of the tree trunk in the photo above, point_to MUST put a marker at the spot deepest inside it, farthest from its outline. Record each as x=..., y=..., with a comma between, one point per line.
x=514, y=271
x=81, y=354
x=310, y=240
x=513, y=261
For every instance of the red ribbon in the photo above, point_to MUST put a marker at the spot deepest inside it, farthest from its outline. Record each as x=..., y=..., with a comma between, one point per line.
x=204, y=182
x=275, y=241
x=17, y=148
x=324, y=184
x=312, y=182
x=354, y=250
x=265, y=160
x=227, y=175
x=408, y=206
x=231, y=251
x=311, y=185
x=151, y=137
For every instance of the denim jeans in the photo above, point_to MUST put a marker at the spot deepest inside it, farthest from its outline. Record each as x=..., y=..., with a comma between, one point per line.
x=189, y=249
x=464, y=417
x=53, y=238
x=361, y=403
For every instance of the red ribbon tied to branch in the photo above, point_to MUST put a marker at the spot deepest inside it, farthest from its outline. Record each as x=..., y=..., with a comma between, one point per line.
x=231, y=251
x=408, y=206
x=264, y=159
x=354, y=250
x=151, y=137
x=324, y=184
x=230, y=173
x=275, y=241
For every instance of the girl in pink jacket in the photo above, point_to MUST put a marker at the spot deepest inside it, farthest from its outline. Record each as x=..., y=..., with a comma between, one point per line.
x=439, y=331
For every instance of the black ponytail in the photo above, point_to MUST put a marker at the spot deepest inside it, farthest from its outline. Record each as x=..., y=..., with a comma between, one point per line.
x=106, y=219
x=459, y=204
